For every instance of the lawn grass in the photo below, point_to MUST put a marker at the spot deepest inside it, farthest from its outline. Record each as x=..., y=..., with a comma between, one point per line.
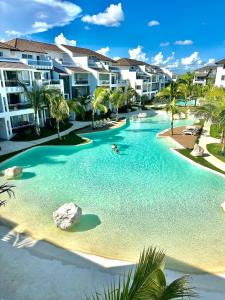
x=215, y=131
x=215, y=149
x=29, y=135
x=199, y=160
x=70, y=139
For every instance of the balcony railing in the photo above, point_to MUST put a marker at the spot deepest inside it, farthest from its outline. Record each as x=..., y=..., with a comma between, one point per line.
x=35, y=62
x=103, y=82
x=18, y=106
x=16, y=82
x=51, y=82
x=22, y=124
x=81, y=81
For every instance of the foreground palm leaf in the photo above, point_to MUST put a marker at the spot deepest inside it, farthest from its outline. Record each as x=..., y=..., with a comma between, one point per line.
x=6, y=188
x=147, y=282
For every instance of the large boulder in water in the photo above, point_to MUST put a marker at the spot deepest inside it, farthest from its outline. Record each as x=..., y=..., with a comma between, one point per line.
x=67, y=215
x=197, y=151
x=13, y=172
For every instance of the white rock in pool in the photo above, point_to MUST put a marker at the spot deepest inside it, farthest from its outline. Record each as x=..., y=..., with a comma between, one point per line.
x=197, y=151
x=67, y=215
x=223, y=206
x=13, y=172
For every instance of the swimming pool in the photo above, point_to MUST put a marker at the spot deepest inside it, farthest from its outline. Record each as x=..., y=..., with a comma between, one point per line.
x=146, y=195
x=185, y=103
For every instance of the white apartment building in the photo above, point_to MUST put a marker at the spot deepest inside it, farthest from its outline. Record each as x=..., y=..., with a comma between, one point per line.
x=220, y=73
x=205, y=75
x=144, y=78
x=75, y=71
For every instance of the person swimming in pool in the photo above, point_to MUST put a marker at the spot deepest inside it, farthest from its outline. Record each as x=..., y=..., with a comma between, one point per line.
x=114, y=147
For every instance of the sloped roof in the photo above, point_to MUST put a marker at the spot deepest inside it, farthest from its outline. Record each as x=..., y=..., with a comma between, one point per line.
x=87, y=52
x=77, y=70
x=123, y=62
x=33, y=46
x=6, y=46
x=220, y=62
x=13, y=65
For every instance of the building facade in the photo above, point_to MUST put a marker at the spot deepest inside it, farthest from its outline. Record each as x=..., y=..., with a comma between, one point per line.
x=220, y=73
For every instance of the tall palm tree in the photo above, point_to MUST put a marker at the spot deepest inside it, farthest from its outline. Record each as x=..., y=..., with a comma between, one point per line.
x=148, y=282
x=170, y=94
x=6, y=188
x=118, y=99
x=99, y=99
x=131, y=94
x=35, y=97
x=59, y=110
x=76, y=106
x=188, y=80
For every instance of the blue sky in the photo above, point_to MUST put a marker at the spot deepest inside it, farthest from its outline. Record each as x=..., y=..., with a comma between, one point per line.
x=175, y=34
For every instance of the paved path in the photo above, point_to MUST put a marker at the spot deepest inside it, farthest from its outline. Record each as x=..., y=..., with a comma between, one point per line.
x=207, y=139
x=12, y=146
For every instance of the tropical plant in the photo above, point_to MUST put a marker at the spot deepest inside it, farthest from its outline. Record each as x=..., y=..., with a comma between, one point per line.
x=170, y=94
x=148, y=282
x=144, y=100
x=59, y=110
x=118, y=99
x=6, y=188
x=131, y=95
x=76, y=107
x=35, y=97
x=99, y=99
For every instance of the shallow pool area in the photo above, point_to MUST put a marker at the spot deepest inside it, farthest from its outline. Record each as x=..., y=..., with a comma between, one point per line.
x=145, y=195
x=186, y=103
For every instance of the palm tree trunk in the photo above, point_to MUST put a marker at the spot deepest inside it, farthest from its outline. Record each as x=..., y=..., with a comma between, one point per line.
x=93, y=119
x=223, y=141
x=36, y=123
x=117, y=114
x=171, y=124
x=57, y=126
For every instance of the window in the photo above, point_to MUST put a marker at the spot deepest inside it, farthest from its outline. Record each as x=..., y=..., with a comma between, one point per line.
x=138, y=87
x=1, y=53
x=223, y=77
x=27, y=56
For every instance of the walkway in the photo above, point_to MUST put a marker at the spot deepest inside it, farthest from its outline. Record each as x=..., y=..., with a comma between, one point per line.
x=13, y=146
x=204, y=141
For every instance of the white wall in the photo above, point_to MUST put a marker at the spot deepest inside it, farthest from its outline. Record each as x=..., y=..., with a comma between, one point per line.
x=220, y=72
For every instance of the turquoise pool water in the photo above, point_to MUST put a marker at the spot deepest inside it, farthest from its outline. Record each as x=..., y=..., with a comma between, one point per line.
x=186, y=103
x=146, y=195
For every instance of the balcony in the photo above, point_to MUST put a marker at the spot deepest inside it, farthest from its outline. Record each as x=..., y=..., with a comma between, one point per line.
x=81, y=82
x=16, y=83
x=53, y=84
x=19, y=106
x=39, y=64
x=103, y=82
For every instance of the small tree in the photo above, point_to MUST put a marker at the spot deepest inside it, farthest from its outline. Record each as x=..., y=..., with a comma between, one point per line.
x=118, y=99
x=59, y=110
x=99, y=99
x=76, y=106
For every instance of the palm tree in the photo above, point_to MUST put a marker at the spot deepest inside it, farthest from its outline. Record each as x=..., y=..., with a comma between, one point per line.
x=170, y=94
x=118, y=98
x=99, y=100
x=76, y=106
x=148, y=282
x=35, y=97
x=188, y=80
x=6, y=188
x=130, y=95
x=59, y=110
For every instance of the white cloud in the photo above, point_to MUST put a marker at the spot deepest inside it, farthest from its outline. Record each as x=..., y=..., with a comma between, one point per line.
x=164, y=44
x=87, y=28
x=159, y=59
x=211, y=61
x=184, y=43
x=116, y=58
x=62, y=40
x=27, y=17
x=193, y=59
x=104, y=51
x=137, y=53
x=41, y=26
x=111, y=17
x=153, y=23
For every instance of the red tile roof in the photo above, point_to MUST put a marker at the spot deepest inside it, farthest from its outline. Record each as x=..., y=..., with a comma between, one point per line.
x=77, y=70
x=6, y=46
x=13, y=65
x=33, y=46
x=87, y=52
